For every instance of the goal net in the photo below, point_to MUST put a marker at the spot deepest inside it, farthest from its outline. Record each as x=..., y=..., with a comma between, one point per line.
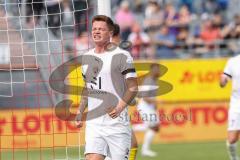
x=36, y=37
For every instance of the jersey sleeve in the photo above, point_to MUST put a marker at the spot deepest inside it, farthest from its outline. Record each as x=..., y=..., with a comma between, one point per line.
x=228, y=69
x=126, y=66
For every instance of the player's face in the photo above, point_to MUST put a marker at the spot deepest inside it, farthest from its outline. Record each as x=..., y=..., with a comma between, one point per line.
x=100, y=33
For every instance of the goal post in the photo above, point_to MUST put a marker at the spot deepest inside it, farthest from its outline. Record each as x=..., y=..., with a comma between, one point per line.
x=104, y=7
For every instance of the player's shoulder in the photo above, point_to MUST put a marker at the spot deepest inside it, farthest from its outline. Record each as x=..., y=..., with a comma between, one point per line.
x=89, y=52
x=234, y=59
x=119, y=50
x=237, y=57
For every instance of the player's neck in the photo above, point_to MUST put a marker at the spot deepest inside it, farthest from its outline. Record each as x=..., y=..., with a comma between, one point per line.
x=100, y=48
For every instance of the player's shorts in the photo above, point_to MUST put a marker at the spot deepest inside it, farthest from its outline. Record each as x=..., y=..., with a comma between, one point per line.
x=233, y=121
x=148, y=113
x=110, y=141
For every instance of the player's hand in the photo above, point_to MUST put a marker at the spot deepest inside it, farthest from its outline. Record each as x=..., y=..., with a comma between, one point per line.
x=79, y=124
x=78, y=121
x=115, y=112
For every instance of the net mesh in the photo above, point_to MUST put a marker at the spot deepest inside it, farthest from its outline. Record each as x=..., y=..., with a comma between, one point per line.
x=37, y=36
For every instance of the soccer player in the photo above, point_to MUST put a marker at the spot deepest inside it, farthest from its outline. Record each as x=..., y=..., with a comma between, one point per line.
x=147, y=108
x=232, y=72
x=116, y=39
x=107, y=134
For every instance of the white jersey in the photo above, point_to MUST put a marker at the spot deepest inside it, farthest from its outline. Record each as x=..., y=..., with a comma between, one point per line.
x=149, y=85
x=110, y=70
x=232, y=70
x=147, y=110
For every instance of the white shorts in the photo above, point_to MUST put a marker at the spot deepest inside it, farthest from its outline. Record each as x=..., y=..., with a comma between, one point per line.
x=110, y=141
x=233, y=121
x=148, y=113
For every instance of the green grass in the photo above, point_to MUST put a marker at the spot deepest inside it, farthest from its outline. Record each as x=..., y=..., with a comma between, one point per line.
x=186, y=151
x=189, y=151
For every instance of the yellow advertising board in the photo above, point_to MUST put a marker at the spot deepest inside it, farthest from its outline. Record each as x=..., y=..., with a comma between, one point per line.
x=34, y=128
x=195, y=80
x=192, y=79
x=189, y=122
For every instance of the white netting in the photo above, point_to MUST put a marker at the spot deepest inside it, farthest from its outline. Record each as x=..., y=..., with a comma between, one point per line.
x=37, y=36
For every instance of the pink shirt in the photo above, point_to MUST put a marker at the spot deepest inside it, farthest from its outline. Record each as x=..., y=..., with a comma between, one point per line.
x=124, y=19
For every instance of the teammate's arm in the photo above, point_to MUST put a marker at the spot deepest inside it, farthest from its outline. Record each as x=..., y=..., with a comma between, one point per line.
x=224, y=80
x=150, y=100
x=227, y=74
x=82, y=106
x=129, y=95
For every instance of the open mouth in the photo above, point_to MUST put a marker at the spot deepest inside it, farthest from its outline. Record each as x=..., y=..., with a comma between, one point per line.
x=97, y=37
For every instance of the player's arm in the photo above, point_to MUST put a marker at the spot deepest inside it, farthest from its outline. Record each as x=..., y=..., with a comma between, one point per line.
x=127, y=70
x=227, y=74
x=150, y=100
x=128, y=97
x=82, y=106
x=224, y=80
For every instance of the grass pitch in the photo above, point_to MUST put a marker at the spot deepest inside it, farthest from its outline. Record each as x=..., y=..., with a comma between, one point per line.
x=184, y=151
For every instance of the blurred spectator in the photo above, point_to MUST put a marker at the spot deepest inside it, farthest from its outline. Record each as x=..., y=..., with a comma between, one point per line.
x=154, y=16
x=139, y=6
x=210, y=33
x=33, y=11
x=67, y=13
x=125, y=18
x=209, y=6
x=80, y=15
x=188, y=3
x=165, y=43
x=207, y=39
x=175, y=20
x=182, y=38
x=171, y=18
x=54, y=8
x=212, y=6
x=222, y=5
x=218, y=21
x=82, y=43
x=232, y=30
x=140, y=42
x=184, y=17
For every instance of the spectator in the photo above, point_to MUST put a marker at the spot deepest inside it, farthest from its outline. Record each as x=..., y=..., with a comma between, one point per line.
x=165, y=43
x=207, y=40
x=178, y=20
x=188, y=3
x=125, y=18
x=209, y=32
x=154, y=16
x=80, y=15
x=54, y=8
x=212, y=6
x=218, y=21
x=184, y=17
x=209, y=6
x=182, y=38
x=140, y=42
x=67, y=13
x=222, y=5
x=171, y=18
x=82, y=43
x=232, y=30
x=33, y=11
